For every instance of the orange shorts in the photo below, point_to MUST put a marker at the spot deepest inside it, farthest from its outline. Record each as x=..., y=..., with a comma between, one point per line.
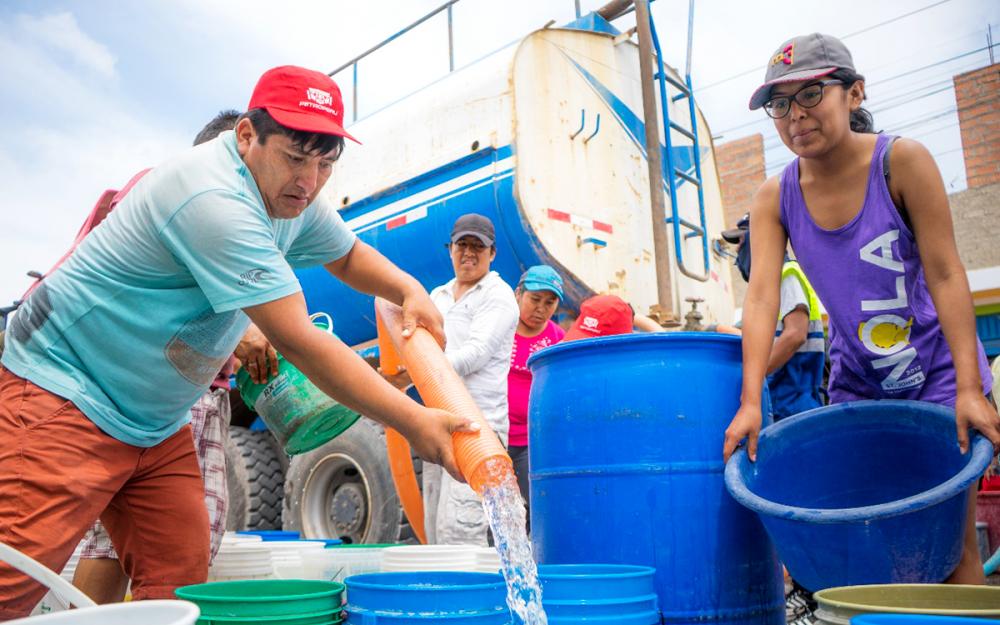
x=59, y=473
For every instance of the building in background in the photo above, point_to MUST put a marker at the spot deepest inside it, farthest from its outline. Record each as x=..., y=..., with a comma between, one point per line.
x=976, y=211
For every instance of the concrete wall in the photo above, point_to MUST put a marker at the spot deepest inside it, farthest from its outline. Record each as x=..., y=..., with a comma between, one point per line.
x=976, y=214
x=977, y=94
x=741, y=171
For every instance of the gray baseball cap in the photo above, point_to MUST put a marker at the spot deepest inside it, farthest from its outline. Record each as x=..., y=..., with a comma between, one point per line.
x=476, y=225
x=802, y=58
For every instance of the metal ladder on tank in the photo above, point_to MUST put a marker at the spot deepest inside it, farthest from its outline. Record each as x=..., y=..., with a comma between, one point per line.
x=672, y=173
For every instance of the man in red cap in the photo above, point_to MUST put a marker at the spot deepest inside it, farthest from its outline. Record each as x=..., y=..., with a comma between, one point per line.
x=107, y=355
x=602, y=315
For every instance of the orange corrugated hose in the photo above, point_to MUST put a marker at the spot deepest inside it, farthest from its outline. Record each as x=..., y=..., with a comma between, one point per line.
x=400, y=458
x=440, y=387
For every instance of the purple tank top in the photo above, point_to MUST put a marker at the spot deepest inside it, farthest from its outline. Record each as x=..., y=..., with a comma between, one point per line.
x=885, y=339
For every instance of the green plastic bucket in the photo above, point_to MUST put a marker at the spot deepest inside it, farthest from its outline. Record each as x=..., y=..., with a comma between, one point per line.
x=265, y=600
x=323, y=618
x=300, y=416
x=838, y=605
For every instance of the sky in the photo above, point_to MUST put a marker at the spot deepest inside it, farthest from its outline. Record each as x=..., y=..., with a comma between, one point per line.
x=95, y=90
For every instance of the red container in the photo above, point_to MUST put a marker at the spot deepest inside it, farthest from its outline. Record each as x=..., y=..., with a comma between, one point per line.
x=988, y=511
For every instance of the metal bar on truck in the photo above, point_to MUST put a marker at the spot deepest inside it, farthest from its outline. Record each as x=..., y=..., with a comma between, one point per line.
x=661, y=245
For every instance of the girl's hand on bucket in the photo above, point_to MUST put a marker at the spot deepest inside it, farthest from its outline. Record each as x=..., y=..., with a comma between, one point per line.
x=973, y=410
x=430, y=437
x=745, y=425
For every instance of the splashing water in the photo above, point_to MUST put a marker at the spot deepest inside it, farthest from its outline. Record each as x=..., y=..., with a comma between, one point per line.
x=505, y=511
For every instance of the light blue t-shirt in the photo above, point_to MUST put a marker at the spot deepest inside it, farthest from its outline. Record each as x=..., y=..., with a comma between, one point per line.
x=136, y=324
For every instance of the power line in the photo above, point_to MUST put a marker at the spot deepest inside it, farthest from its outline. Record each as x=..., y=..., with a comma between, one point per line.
x=858, y=32
x=958, y=149
x=913, y=99
x=897, y=93
x=934, y=64
x=925, y=133
x=906, y=73
x=935, y=78
x=872, y=71
x=895, y=19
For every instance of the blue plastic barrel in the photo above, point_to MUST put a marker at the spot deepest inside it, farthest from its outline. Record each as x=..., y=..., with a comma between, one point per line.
x=871, y=492
x=918, y=619
x=439, y=597
x=599, y=594
x=626, y=437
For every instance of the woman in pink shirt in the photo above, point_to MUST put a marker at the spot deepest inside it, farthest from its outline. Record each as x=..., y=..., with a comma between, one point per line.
x=538, y=295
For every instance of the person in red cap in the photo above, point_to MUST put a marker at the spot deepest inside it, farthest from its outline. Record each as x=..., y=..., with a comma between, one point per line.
x=602, y=315
x=105, y=358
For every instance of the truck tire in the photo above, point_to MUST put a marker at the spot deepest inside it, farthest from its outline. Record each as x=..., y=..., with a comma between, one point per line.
x=344, y=489
x=255, y=479
x=237, y=487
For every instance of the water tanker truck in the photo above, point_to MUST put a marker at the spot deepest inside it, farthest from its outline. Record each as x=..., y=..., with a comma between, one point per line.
x=548, y=138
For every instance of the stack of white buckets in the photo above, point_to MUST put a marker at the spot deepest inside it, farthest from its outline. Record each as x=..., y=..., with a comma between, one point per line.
x=441, y=558
x=248, y=557
x=241, y=557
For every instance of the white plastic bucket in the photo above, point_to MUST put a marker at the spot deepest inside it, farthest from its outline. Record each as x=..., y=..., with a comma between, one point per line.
x=430, y=558
x=287, y=558
x=487, y=560
x=134, y=613
x=242, y=558
x=336, y=564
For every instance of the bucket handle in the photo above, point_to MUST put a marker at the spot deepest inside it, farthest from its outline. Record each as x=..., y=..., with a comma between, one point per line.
x=322, y=315
x=42, y=574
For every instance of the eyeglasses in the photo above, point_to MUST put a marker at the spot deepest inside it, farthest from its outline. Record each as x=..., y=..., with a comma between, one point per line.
x=806, y=97
x=475, y=246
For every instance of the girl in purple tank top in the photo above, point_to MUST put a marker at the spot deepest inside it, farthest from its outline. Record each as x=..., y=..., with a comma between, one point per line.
x=879, y=249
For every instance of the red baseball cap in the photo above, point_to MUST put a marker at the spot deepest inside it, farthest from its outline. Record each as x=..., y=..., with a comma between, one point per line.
x=602, y=315
x=301, y=99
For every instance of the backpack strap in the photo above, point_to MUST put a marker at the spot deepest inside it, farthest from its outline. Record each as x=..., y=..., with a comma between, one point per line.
x=885, y=170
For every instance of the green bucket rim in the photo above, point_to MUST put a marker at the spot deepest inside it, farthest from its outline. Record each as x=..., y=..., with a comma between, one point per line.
x=337, y=616
x=272, y=598
x=191, y=593
x=822, y=597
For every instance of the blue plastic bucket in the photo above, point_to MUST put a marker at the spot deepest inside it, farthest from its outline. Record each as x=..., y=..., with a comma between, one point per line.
x=625, y=436
x=870, y=492
x=439, y=597
x=599, y=594
x=918, y=619
x=269, y=535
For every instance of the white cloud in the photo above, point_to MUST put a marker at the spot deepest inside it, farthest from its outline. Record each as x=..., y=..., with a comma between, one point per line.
x=66, y=136
x=59, y=31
